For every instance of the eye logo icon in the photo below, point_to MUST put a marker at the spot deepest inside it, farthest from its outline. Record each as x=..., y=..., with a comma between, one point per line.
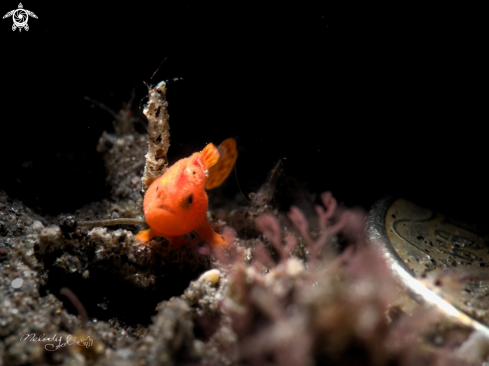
x=20, y=17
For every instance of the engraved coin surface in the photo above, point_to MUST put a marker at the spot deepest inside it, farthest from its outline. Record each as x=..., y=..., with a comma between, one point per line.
x=439, y=259
x=428, y=241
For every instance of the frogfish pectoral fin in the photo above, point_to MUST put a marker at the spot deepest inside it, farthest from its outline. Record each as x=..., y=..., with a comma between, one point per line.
x=144, y=236
x=222, y=240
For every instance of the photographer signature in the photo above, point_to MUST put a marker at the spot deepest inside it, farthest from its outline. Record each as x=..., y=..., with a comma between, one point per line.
x=70, y=340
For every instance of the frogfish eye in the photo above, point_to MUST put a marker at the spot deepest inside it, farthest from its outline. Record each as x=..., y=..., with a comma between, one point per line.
x=186, y=203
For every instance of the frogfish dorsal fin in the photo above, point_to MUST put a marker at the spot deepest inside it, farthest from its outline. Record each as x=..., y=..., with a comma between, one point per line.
x=220, y=171
x=209, y=156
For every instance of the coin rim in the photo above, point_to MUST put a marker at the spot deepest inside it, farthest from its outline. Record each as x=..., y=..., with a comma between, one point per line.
x=377, y=236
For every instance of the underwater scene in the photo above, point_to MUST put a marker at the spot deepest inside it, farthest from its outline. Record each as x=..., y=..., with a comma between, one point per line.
x=236, y=184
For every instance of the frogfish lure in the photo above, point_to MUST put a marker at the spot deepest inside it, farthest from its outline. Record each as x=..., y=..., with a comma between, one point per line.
x=176, y=202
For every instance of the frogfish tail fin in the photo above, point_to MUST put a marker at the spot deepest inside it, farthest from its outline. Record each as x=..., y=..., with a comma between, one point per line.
x=220, y=171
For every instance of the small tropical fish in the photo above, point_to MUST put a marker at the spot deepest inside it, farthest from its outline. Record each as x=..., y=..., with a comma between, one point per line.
x=265, y=193
x=176, y=202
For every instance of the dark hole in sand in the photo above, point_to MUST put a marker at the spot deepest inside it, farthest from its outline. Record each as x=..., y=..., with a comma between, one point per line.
x=121, y=298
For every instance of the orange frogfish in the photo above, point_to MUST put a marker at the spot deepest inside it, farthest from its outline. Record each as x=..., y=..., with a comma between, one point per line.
x=176, y=202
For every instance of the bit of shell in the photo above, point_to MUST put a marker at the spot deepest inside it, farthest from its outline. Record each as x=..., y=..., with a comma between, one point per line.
x=211, y=276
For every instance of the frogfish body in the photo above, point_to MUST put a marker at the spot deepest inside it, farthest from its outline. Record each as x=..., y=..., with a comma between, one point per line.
x=176, y=202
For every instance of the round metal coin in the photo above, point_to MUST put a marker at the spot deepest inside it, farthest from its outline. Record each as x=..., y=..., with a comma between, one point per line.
x=440, y=260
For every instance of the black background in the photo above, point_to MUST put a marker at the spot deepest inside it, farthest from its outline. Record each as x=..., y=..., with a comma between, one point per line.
x=361, y=101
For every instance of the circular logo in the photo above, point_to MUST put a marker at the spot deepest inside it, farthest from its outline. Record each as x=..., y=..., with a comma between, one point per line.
x=20, y=17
